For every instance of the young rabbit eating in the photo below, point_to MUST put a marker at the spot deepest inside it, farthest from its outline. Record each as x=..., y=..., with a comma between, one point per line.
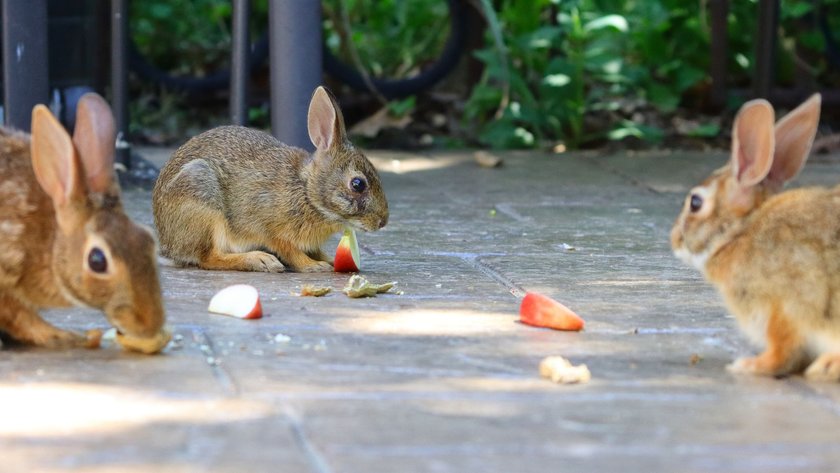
x=234, y=198
x=774, y=256
x=64, y=238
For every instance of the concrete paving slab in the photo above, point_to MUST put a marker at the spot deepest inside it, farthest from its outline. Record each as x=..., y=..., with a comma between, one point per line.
x=442, y=377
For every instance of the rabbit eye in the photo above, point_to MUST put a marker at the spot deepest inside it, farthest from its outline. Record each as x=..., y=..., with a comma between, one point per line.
x=358, y=184
x=696, y=202
x=97, y=261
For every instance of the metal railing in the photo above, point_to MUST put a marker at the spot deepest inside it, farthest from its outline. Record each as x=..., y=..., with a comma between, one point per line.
x=295, y=31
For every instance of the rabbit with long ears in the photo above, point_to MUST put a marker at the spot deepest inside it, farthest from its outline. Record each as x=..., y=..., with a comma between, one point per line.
x=234, y=198
x=774, y=256
x=64, y=238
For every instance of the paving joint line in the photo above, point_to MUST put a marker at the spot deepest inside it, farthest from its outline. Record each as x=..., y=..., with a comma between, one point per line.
x=515, y=289
x=622, y=175
x=802, y=386
x=313, y=456
x=213, y=360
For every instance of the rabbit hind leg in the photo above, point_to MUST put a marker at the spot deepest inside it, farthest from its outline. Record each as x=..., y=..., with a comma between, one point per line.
x=226, y=253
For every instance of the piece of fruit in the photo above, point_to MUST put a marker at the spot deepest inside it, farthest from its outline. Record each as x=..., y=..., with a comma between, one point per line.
x=358, y=286
x=347, y=254
x=561, y=370
x=239, y=300
x=542, y=311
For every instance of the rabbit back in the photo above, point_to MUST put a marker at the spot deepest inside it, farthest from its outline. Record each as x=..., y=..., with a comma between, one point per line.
x=26, y=227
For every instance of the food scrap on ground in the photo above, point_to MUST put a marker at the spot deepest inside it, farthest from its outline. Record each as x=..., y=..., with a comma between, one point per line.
x=347, y=258
x=487, y=160
x=542, y=311
x=240, y=300
x=314, y=291
x=562, y=371
x=358, y=286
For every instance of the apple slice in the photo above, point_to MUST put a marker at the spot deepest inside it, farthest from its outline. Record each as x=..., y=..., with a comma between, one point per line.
x=239, y=300
x=542, y=311
x=347, y=254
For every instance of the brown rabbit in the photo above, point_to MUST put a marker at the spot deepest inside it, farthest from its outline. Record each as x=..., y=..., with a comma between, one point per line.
x=64, y=238
x=775, y=257
x=233, y=198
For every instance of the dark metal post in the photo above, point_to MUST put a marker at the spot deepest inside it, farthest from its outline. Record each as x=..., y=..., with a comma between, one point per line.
x=25, y=67
x=119, y=78
x=719, y=10
x=296, y=64
x=765, y=53
x=240, y=63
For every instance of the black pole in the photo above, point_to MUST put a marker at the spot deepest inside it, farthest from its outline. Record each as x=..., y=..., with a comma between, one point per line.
x=296, y=64
x=25, y=67
x=240, y=63
x=765, y=53
x=119, y=78
x=719, y=10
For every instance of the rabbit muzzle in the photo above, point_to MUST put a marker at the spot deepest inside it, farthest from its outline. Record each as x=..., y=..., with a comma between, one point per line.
x=136, y=323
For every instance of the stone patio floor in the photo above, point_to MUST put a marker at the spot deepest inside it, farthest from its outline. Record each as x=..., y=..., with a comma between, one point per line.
x=441, y=378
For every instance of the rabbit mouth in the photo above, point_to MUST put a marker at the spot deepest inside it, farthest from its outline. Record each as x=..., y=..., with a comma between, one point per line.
x=359, y=226
x=135, y=326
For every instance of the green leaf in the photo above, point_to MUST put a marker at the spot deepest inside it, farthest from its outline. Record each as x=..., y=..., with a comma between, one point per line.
x=628, y=128
x=556, y=80
x=662, y=97
x=706, y=130
x=617, y=22
x=797, y=9
x=400, y=108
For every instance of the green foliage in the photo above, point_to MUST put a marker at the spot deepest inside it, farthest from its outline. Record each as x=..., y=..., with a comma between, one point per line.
x=188, y=36
x=563, y=60
x=554, y=66
x=390, y=38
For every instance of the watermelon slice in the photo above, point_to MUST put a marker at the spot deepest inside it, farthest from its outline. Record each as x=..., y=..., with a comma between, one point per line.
x=347, y=254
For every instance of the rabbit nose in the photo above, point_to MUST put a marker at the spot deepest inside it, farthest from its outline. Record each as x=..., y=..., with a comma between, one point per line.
x=383, y=221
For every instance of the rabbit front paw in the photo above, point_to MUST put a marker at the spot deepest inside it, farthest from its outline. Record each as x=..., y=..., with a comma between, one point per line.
x=263, y=262
x=58, y=338
x=755, y=365
x=316, y=267
x=825, y=368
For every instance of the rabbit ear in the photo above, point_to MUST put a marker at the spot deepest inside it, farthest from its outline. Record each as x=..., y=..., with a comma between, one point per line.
x=326, y=125
x=54, y=158
x=753, y=142
x=794, y=136
x=95, y=137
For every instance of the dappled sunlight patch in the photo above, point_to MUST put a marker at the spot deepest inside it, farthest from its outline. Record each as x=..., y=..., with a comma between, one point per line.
x=403, y=164
x=431, y=322
x=55, y=409
x=474, y=408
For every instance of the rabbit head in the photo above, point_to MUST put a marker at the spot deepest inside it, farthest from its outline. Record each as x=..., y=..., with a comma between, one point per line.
x=763, y=158
x=100, y=258
x=343, y=184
